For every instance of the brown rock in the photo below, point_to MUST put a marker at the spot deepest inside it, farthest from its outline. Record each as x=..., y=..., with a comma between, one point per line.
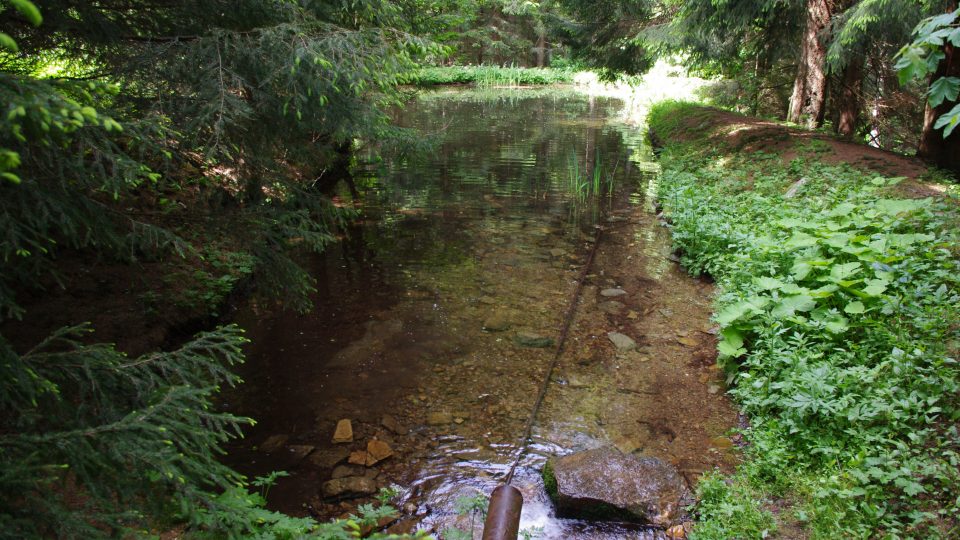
x=351, y=486
x=391, y=424
x=344, y=432
x=358, y=457
x=607, y=483
x=377, y=451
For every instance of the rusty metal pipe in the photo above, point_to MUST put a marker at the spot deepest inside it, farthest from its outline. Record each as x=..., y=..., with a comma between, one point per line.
x=503, y=514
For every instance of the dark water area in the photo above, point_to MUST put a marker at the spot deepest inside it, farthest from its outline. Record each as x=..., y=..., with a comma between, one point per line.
x=467, y=245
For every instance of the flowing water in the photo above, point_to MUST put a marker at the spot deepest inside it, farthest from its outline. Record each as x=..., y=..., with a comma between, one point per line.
x=468, y=248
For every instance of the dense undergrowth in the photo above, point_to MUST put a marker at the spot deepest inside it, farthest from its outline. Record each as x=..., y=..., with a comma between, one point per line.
x=487, y=76
x=839, y=309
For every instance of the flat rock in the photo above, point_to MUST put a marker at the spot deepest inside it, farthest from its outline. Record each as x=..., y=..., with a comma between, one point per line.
x=557, y=252
x=350, y=486
x=344, y=432
x=622, y=342
x=377, y=451
x=604, y=483
x=358, y=457
x=274, y=443
x=612, y=293
x=526, y=339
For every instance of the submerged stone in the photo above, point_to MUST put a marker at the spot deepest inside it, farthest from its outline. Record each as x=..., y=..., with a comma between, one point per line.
x=351, y=486
x=377, y=451
x=604, y=483
x=496, y=322
x=536, y=341
x=274, y=443
x=611, y=293
x=622, y=342
x=328, y=457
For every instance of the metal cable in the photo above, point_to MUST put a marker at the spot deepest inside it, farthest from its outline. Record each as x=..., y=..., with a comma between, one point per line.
x=565, y=329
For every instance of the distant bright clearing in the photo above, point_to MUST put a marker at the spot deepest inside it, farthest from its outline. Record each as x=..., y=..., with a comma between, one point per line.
x=666, y=80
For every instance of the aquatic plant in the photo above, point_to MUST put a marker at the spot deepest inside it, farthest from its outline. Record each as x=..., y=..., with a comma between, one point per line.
x=483, y=75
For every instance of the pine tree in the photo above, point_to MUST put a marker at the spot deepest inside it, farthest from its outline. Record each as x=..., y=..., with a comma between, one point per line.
x=262, y=97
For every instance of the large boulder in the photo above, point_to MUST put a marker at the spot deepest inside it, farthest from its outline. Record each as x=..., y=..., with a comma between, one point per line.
x=606, y=484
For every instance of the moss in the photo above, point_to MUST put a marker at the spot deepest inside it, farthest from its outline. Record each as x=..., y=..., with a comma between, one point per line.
x=549, y=480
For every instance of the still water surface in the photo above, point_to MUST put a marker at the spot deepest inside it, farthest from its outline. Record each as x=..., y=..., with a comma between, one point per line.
x=465, y=242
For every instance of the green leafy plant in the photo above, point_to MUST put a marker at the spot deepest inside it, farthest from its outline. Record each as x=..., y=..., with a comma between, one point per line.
x=840, y=331
x=919, y=59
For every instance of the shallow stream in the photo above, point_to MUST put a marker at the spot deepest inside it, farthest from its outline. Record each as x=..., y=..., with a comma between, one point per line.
x=467, y=249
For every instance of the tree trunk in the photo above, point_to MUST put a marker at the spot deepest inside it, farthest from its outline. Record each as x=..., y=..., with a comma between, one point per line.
x=541, y=50
x=849, y=97
x=943, y=152
x=810, y=87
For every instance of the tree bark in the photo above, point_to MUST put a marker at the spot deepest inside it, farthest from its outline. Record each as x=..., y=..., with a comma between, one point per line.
x=810, y=87
x=541, y=50
x=943, y=152
x=848, y=98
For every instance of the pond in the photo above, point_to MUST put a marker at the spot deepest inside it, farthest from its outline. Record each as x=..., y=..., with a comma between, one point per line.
x=427, y=316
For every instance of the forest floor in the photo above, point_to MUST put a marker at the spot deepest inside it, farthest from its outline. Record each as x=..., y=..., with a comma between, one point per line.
x=831, y=260
x=728, y=132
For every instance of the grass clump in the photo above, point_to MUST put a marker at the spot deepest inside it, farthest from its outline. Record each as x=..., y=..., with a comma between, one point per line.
x=730, y=510
x=487, y=76
x=839, y=310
